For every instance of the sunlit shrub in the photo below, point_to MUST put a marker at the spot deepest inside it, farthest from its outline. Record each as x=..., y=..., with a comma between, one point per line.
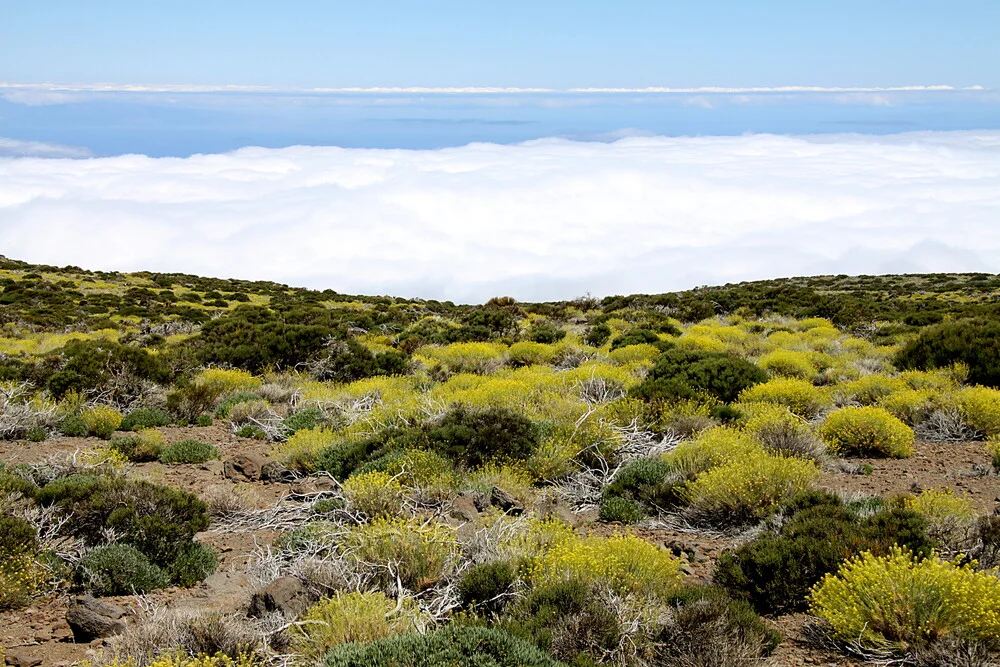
x=182, y=659
x=867, y=431
x=634, y=354
x=219, y=381
x=980, y=406
x=375, y=494
x=993, y=450
x=712, y=447
x=899, y=601
x=528, y=353
x=799, y=396
x=143, y=446
x=747, y=488
x=421, y=552
x=624, y=563
x=465, y=357
x=353, y=617
x=299, y=452
x=101, y=420
x=513, y=478
x=868, y=389
x=951, y=519
x=775, y=571
x=415, y=468
x=911, y=406
x=789, y=363
x=21, y=575
x=781, y=432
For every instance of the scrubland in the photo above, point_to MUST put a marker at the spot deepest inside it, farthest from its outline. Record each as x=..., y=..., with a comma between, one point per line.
x=241, y=473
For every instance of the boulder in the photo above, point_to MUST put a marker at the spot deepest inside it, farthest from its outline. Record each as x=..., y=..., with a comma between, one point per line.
x=463, y=508
x=90, y=618
x=272, y=471
x=16, y=657
x=505, y=501
x=244, y=467
x=554, y=508
x=287, y=595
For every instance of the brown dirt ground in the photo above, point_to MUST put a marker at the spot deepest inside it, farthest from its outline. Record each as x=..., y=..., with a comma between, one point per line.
x=41, y=631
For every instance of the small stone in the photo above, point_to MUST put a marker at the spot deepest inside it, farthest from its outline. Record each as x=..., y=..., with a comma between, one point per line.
x=463, y=508
x=20, y=658
x=90, y=618
x=505, y=501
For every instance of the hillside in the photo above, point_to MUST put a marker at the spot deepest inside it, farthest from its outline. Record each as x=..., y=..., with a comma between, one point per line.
x=724, y=476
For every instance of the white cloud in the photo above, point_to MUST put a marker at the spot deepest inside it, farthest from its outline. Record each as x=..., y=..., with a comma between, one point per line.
x=542, y=220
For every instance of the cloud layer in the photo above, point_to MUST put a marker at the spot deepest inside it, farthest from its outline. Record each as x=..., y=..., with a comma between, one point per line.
x=546, y=219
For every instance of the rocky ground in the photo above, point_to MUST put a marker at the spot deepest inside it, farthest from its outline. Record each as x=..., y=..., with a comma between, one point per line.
x=40, y=636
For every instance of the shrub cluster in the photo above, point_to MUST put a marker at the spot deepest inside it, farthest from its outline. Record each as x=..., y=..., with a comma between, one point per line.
x=156, y=522
x=867, y=431
x=775, y=571
x=686, y=373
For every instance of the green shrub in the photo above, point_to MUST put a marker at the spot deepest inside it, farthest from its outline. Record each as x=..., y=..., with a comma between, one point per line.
x=102, y=420
x=144, y=446
x=867, y=431
x=683, y=373
x=21, y=576
x=473, y=438
x=194, y=563
x=597, y=335
x=640, y=487
x=620, y=510
x=775, y=571
x=454, y=646
x=567, y=619
x=119, y=569
x=304, y=419
x=17, y=536
x=227, y=404
x=145, y=417
x=203, y=419
x=707, y=627
x=486, y=589
x=188, y=451
x=973, y=343
x=157, y=520
x=73, y=426
x=640, y=337
x=545, y=332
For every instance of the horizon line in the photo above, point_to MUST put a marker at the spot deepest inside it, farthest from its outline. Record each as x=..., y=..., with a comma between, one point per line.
x=446, y=90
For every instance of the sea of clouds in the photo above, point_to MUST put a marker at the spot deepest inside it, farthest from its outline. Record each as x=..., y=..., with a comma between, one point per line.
x=541, y=220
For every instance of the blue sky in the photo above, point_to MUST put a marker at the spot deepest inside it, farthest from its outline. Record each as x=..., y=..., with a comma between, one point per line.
x=557, y=44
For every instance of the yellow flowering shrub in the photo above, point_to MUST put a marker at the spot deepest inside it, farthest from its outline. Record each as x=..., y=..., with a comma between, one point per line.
x=993, y=450
x=712, y=447
x=643, y=353
x=930, y=380
x=911, y=406
x=867, y=431
x=21, y=578
x=950, y=517
x=749, y=487
x=183, y=660
x=514, y=478
x=421, y=468
x=219, y=381
x=799, y=396
x=465, y=357
x=529, y=353
x=624, y=563
x=899, y=601
x=375, y=494
x=980, y=406
x=868, y=389
x=300, y=450
x=421, y=552
x=789, y=363
x=102, y=420
x=353, y=617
